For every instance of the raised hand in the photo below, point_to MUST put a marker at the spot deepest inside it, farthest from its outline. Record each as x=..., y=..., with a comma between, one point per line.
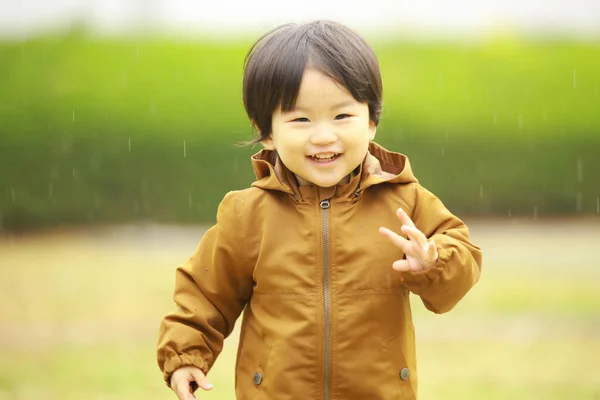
x=421, y=254
x=186, y=380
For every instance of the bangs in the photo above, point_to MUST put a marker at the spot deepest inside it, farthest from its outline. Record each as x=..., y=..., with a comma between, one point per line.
x=274, y=69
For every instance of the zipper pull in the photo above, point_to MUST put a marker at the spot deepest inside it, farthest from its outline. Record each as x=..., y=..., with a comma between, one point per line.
x=325, y=204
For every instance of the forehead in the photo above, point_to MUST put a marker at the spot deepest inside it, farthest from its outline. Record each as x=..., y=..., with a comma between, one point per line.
x=318, y=89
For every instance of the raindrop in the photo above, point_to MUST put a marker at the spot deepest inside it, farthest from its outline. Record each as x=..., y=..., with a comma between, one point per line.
x=446, y=135
x=535, y=213
x=54, y=201
x=579, y=170
x=130, y=144
x=13, y=195
x=579, y=201
x=481, y=191
x=509, y=214
x=73, y=115
x=190, y=201
x=73, y=172
x=574, y=79
x=443, y=151
x=184, y=150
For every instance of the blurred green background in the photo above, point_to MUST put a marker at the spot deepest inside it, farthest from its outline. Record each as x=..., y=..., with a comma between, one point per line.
x=101, y=130
x=115, y=150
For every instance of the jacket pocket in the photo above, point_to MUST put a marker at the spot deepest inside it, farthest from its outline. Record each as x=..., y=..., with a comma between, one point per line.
x=401, y=372
x=252, y=372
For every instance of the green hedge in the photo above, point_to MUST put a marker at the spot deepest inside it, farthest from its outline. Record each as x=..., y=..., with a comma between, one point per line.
x=94, y=130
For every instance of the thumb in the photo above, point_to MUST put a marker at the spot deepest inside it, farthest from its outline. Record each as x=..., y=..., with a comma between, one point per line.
x=201, y=379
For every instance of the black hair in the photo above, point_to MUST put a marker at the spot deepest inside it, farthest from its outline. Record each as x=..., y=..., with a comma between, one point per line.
x=274, y=66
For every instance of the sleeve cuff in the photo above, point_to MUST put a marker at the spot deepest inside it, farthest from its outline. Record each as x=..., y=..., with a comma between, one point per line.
x=183, y=360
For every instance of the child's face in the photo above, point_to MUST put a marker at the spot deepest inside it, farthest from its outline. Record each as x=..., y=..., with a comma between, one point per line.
x=326, y=136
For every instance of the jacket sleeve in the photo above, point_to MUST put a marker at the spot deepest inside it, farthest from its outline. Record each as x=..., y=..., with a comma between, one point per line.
x=459, y=261
x=211, y=290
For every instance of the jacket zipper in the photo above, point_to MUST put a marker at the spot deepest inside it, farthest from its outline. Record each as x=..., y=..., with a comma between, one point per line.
x=325, y=204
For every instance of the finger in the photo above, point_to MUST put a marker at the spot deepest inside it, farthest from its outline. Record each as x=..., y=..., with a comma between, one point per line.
x=394, y=237
x=181, y=388
x=415, y=235
x=401, y=266
x=432, y=251
x=412, y=250
x=410, y=264
x=201, y=380
x=190, y=395
x=404, y=218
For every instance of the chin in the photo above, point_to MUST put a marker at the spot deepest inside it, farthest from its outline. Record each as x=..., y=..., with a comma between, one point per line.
x=327, y=184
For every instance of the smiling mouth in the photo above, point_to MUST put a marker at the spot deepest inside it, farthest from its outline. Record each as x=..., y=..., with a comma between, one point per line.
x=324, y=157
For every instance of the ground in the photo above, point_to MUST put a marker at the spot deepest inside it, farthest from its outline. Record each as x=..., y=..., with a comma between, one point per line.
x=80, y=313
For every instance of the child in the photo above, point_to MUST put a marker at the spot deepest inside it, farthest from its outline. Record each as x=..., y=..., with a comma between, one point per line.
x=323, y=286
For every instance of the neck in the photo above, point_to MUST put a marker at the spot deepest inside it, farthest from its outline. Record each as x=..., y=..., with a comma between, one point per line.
x=303, y=182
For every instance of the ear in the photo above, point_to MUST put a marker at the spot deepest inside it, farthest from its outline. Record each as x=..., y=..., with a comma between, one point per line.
x=372, y=130
x=268, y=143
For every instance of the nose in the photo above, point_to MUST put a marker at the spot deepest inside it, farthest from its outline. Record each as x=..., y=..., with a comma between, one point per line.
x=323, y=135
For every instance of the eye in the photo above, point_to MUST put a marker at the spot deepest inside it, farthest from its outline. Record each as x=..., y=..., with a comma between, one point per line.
x=301, y=119
x=342, y=116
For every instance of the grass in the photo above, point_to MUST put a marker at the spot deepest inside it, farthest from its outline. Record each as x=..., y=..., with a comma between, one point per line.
x=81, y=310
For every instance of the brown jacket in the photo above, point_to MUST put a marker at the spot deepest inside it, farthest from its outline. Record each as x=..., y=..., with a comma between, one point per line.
x=325, y=315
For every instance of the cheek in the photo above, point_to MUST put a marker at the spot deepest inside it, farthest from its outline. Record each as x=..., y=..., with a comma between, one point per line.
x=289, y=146
x=361, y=136
x=290, y=149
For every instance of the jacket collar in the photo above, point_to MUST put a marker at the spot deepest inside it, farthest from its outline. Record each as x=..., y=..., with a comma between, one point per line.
x=379, y=166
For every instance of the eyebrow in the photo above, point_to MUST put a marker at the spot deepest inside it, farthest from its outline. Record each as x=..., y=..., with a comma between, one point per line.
x=345, y=103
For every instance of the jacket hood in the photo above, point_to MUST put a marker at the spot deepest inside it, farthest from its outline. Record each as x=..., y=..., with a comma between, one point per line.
x=379, y=166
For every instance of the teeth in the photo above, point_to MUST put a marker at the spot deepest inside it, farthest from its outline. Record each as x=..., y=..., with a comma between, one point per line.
x=325, y=155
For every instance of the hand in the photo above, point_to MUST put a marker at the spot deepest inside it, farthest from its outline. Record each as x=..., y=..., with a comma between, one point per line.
x=421, y=254
x=186, y=380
